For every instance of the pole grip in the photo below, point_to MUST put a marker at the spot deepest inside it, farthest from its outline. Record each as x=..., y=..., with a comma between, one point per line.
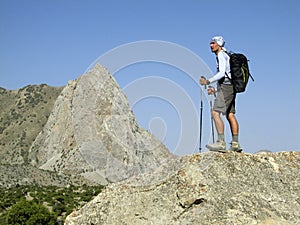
x=205, y=79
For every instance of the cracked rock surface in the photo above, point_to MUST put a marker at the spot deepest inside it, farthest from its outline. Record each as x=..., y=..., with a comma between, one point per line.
x=206, y=188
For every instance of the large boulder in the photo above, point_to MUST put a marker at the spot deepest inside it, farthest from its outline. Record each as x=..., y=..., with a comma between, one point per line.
x=206, y=188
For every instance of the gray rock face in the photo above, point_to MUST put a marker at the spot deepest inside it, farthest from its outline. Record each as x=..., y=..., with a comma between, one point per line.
x=208, y=188
x=92, y=132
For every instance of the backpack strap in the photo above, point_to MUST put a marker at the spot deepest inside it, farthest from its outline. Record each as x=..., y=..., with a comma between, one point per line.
x=226, y=74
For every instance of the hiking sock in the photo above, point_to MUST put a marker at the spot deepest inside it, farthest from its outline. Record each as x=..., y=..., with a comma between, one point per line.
x=235, y=137
x=220, y=137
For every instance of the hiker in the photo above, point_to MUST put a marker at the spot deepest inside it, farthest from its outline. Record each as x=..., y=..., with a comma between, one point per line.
x=225, y=98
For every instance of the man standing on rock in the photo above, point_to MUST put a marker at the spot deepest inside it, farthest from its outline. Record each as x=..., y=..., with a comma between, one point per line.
x=225, y=98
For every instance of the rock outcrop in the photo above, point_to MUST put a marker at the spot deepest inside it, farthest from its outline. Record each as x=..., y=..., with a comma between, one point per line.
x=208, y=188
x=23, y=114
x=92, y=132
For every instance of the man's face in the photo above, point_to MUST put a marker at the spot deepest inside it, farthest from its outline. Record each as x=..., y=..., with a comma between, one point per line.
x=214, y=47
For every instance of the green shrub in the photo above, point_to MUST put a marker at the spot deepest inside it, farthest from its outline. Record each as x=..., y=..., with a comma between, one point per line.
x=61, y=201
x=29, y=213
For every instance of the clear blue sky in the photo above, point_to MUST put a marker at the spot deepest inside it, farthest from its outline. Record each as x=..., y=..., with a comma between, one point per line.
x=53, y=41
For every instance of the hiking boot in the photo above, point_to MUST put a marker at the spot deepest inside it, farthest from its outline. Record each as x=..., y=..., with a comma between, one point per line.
x=235, y=146
x=218, y=146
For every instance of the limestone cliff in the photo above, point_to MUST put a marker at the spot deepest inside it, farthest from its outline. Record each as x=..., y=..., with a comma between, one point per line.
x=92, y=132
x=206, y=189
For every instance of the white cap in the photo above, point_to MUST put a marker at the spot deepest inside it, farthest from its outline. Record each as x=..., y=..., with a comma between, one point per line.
x=219, y=40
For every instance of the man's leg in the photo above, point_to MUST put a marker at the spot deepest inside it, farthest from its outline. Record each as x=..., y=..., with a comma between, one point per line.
x=234, y=126
x=219, y=124
x=220, y=145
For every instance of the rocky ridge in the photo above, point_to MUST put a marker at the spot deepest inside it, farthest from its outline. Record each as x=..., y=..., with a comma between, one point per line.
x=208, y=188
x=92, y=132
x=14, y=175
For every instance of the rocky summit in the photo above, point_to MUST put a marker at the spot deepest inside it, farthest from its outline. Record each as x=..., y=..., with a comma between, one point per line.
x=92, y=132
x=207, y=189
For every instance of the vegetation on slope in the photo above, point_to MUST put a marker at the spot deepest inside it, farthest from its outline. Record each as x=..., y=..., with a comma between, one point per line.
x=42, y=205
x=23, y=114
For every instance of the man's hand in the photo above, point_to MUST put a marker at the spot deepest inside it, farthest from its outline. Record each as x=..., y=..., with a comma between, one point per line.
x=203, y=80
x=211, y=90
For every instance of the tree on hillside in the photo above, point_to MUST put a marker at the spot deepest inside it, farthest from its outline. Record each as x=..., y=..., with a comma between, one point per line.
x=29, y=213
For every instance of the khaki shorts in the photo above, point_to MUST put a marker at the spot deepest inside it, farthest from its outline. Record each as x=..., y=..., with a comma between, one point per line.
x=225, y=100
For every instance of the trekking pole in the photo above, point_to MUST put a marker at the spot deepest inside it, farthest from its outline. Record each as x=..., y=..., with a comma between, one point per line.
x=211, y=117
x=201, y=112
